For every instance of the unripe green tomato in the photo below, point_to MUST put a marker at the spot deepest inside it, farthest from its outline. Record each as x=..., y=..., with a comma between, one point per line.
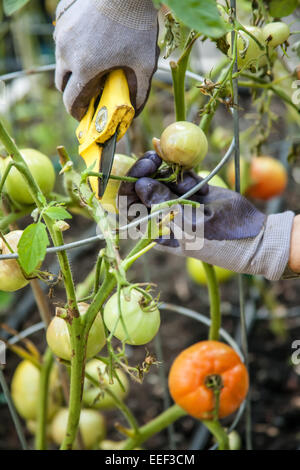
x=141, y=323
x=11, y=276
x=42, y=170
x=215, y=181
x=221, y=137
x=91, y=424
x=25, y=387
x=121, y=166
x=183, y=143
x=248, y=51
x=92, y=395
x=58, y=337
x=196, y=272
x=235, y=442
x=276, y=33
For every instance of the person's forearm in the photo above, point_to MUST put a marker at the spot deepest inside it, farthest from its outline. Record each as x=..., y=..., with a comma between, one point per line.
x=294, y=260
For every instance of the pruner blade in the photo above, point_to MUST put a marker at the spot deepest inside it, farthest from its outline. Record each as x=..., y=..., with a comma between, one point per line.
x=106, y=162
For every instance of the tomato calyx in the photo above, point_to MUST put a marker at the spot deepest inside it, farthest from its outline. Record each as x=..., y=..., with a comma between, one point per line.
x=214, y=382
x=146, y=302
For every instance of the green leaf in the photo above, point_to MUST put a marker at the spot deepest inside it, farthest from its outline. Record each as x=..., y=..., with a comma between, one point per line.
x=57, y=213
x=280, y=8
x=32, y=246
x=201, y=15
x=11, y=6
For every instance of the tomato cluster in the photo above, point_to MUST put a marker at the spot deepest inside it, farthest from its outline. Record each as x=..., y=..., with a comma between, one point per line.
x=251, y=48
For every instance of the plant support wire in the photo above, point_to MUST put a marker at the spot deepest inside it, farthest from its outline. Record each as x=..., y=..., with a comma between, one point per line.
x=235, y=111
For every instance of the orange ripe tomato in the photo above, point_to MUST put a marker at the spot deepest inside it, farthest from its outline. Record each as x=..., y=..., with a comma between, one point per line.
x=193, y=372
x=269, y=178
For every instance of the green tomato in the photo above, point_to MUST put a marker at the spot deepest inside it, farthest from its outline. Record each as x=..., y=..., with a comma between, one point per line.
x=235, y=442
x=58, y=337
x=25, y=391
x=196, y=272
x=248, y=51
x=92, y=396
x=142, y=323
x=121, y=166
x=221, y=137
x=276, y=33
x=215, y=181
x=42, y=170
x=91, y=424
x=11, y=276
x=183, y=143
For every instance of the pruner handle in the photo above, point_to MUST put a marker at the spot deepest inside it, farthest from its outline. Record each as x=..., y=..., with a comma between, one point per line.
x=114, y=112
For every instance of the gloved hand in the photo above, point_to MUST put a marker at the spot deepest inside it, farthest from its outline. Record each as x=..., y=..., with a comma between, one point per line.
x=236, y=235
x=95, y=36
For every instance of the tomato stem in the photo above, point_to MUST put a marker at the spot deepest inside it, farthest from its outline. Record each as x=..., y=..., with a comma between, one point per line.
x=40, y=438
x=218, y=432
x=215, y=302
x=119, y=403
x=155, y=426
x=178, y=70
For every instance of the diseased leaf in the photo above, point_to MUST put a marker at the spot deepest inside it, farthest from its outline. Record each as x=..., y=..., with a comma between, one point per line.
x=32, y=246
x=280, y=8
x=57, y=213
x=11, y=6
x=201, y=15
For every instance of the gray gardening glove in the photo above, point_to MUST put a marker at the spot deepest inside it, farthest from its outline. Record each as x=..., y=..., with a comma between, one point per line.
x=236, y=236
x=95, y=36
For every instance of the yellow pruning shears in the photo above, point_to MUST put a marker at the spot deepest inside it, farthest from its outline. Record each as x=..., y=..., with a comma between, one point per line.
x=106, y=121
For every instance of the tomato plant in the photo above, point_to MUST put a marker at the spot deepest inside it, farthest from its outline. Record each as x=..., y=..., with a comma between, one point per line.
x=102, y=296
x=138, y=320
x=42, y=170
x=249, y=53
x=58, y=337
x=208, y=377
